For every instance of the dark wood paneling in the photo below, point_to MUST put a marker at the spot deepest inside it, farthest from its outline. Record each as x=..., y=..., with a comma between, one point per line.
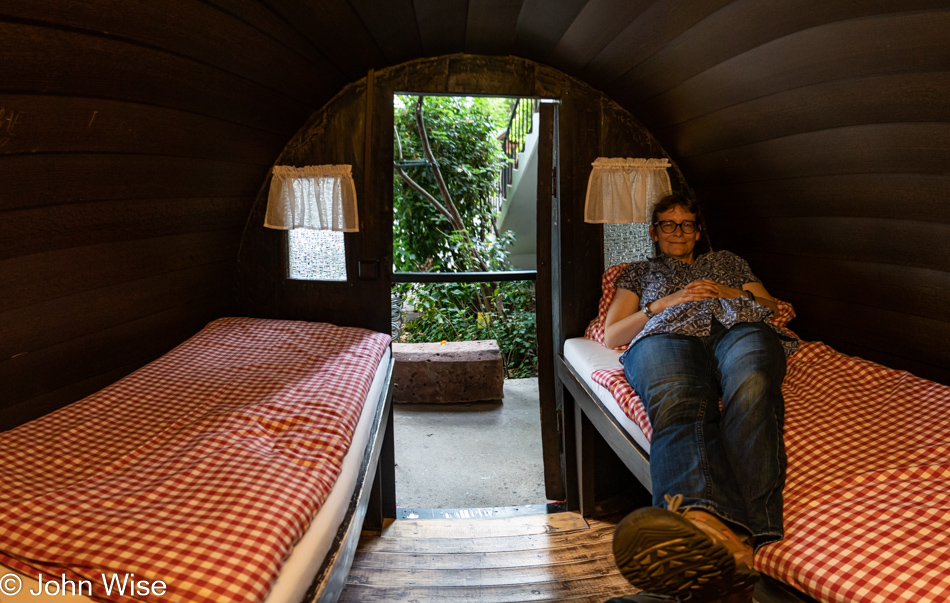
x=870, y=149
x=491, y=25
x=921, y=292
x=470, y=75
x=58, y=227
x=63, y=62
x=657, y=26
x=32, y=279
x=624, y=136
x=393, y=25
x=57, y=124
x=260, y=17
x=541, y=24
x=897, y=242
x=31, y=328
x=190, y=29
x=892, y=98
x=581, y=244
x=898, y=339
x=54, y=179
x=336, y=29
x=940, y=374
x=595, y=27
x=739, y=27
x=442, y=25
x=19, y=413
x=920, y=197
x=55, y=367
x=916, y=42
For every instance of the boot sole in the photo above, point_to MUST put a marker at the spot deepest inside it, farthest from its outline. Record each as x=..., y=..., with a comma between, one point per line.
x=662, y=552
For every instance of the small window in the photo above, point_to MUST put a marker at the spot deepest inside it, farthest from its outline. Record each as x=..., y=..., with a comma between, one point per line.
x=316, y=255
x=627, y=243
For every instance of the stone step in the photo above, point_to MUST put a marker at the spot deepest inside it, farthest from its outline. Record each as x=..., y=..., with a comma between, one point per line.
x=448, y=373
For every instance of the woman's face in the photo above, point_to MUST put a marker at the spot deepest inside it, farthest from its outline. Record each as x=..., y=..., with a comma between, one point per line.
x=676, y=244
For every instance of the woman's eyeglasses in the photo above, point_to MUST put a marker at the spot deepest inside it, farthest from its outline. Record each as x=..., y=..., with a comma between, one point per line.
x=669, y=226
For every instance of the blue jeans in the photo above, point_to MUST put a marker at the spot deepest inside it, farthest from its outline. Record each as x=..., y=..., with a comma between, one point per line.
x=730, y=462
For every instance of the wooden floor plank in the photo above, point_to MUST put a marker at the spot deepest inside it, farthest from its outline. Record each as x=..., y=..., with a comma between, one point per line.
x=481, y=560
x=464, y=576
x=485, y=528
x=373, y=543
x=597, y=588
x=554, y=557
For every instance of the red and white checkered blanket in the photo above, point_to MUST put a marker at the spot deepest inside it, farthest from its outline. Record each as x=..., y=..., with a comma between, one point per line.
x=867, y=497
x=200, y=470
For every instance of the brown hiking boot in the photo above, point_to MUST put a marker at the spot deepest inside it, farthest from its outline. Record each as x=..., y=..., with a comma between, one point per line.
x=716, y=529
x=663, y=552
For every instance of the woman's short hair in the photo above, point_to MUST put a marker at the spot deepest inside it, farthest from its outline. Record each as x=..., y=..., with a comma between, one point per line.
x=690, y=205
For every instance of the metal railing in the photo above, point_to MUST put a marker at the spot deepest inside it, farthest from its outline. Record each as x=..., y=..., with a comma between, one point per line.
x=449, y=277
x=520, y=124
x=465, y=277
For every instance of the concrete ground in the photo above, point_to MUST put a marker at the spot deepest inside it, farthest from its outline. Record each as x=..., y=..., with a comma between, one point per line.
x=457, y=456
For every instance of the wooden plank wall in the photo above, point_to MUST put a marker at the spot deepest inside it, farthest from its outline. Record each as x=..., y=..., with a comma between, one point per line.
x=132, y=145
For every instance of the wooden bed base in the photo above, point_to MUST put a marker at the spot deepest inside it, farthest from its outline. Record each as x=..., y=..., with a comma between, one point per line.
x=374, y=499
x=593, y=422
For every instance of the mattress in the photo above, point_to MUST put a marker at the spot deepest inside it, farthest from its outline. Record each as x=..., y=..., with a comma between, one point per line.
x=305, y=558
x=589, y=358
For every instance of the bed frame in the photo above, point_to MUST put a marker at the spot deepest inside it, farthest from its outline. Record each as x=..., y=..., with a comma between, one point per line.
x=373, y=500
x=593, y=424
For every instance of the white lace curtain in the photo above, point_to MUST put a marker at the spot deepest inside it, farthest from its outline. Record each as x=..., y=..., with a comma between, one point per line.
x=623, y=190
x=320, y=197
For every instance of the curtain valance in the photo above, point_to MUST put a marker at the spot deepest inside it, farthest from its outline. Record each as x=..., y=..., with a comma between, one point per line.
x=320, y=197
x=623, y=190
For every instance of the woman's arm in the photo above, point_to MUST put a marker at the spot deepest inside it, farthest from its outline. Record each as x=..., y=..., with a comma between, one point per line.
x=624, y=319
x=761, y=295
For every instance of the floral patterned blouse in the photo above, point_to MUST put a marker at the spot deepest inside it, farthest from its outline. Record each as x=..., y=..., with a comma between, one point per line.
x=662, y=275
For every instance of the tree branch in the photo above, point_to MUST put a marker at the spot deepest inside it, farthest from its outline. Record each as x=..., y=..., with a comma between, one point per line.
x=436, y=171
x=418, y=188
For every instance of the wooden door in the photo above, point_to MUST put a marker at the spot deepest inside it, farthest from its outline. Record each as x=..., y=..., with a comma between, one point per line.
x=552, y=423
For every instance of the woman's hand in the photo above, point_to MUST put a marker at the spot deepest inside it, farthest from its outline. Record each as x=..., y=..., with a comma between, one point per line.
x=696, y=290
x=719, y=289
x=710, y=288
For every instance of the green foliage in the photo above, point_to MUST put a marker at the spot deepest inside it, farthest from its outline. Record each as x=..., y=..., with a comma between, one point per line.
x=462, y=132
x=447, y=314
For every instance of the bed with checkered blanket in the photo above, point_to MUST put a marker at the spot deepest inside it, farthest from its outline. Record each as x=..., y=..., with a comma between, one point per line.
x=867, y=496
x=204, y=475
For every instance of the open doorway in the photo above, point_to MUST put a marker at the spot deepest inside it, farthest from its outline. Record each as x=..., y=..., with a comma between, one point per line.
x=465, y=259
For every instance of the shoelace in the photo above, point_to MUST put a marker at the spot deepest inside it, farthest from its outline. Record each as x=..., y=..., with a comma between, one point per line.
x=673, y=502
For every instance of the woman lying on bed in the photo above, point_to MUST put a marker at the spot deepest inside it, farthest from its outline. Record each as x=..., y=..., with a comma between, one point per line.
x=697, y=325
